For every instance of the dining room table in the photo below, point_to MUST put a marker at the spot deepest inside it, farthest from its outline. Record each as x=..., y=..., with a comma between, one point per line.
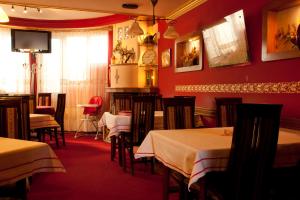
x=195, y=152
x=116, y=124
x=20, y=159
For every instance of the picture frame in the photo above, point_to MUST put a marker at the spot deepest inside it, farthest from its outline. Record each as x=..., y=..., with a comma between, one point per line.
x=226, y=41
x=281, y=30
x=166, y=58
x=188, y=53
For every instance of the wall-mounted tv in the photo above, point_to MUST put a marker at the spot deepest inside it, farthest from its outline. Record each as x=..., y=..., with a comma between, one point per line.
x=226, y=41
x=30, y=41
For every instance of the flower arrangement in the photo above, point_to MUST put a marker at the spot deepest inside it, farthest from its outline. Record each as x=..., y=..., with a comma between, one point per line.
x=124, y=52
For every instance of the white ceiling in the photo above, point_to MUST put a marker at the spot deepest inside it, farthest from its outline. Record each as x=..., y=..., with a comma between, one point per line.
x=82, y=9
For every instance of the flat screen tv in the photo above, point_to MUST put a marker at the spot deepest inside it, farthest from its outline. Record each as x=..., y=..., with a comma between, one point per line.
x=30, y=41
x=226, y=41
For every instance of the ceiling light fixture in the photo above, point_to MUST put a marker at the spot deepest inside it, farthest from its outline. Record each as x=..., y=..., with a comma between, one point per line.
x=12, y=8
x=3, y=16
x=170, y=33
x=25, y=10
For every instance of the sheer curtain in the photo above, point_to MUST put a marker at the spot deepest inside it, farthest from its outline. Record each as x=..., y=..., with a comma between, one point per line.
x=14, y=67
x=77, y=66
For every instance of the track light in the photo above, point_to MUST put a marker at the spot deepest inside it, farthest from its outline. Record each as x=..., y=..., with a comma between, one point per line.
x=25, y=10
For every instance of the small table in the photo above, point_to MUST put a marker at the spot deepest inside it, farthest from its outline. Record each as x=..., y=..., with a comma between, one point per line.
x=45, y=110
x=41, y=121
x=21, y=158
x=86, y=118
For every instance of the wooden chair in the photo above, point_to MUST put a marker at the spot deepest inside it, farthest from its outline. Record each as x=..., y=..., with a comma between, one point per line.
x=226, y=111
x=142, y=121
x=178, y=114
x=44, y=99
x=252, y=153
x=59, y=118
x=121, y=101
x=32, y=103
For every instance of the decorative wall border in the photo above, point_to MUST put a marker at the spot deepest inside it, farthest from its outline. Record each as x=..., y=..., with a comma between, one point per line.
x=186, y=7
x=263, y=88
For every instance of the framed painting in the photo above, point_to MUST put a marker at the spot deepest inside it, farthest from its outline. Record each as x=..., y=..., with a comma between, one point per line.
x=166, y=57
x=188, y=53
x=281, y=30
x=226, y=41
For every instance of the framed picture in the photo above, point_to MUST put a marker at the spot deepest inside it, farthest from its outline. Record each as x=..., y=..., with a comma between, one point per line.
x=188, y=53
x=166, y=57
x=226, y=41
x=120, y=33
x=281, y=30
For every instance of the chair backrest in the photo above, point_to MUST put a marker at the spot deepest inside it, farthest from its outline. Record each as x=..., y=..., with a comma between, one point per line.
x=179, y=113
x=226, y=111
x=44, y=99
x=32, y=103
x=121, y=101
x=13, y=120
x=253, y=151
x=60, y=109
x=94, y=111
x=142, y=118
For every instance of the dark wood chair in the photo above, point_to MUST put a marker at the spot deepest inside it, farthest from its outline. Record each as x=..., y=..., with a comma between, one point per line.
x=252, y=154
x=178, y=114
x=142, y=121
x=226, y=111
x=59, y=118
x=121, y=101
x=32, y=103
x=13, y=125
x=44, y=99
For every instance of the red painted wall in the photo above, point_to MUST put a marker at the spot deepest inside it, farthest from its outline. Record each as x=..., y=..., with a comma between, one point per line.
x=257, y=71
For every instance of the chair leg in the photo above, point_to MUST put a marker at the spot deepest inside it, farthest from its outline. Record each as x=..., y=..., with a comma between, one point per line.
x=131, y=155
x=62, y=132
x=166, y=182
x=77, y=132
x=112, y=147
x=123, y=151
x=56, y=137
x=120, y=150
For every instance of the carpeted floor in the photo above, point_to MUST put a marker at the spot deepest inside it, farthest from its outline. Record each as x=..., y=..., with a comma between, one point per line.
x=92, y=175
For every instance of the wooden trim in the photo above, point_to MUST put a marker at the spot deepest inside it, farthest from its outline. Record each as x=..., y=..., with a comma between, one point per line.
x=186, y=7
x=290, y=123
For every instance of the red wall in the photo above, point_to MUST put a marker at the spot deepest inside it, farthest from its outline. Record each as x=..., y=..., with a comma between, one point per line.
x=255, y=72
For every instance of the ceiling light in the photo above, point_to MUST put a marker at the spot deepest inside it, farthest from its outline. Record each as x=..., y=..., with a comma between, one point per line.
x=3, y=16
x=39, y=10
x=25, y=10
x=170, y=33
x=130, y=6
x=12, y=8
x=135, y=28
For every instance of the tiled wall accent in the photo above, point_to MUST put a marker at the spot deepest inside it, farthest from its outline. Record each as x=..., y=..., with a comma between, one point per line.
x=263, y=88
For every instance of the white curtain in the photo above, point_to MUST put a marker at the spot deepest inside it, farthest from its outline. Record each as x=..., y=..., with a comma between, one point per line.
x=77, y=66
x=14, y=67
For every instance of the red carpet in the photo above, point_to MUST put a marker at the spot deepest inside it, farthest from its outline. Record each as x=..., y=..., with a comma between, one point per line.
x=91, y=175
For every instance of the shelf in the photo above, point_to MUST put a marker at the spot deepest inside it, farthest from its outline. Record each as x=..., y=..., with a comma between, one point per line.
x=155, y=66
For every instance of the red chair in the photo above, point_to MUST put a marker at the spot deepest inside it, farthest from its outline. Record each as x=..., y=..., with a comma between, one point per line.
x=91, y=112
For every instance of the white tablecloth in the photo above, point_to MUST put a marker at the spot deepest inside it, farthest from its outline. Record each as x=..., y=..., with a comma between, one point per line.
x=194, y=152
x=121, y=123
x=20, y=159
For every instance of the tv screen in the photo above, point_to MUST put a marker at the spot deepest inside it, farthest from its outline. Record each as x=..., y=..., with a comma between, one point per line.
x=30, y=41
x=226, y=42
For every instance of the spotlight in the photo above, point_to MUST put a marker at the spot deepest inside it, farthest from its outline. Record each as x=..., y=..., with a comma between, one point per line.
x=25, y=10
x=39, y=10
x=12, y=8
